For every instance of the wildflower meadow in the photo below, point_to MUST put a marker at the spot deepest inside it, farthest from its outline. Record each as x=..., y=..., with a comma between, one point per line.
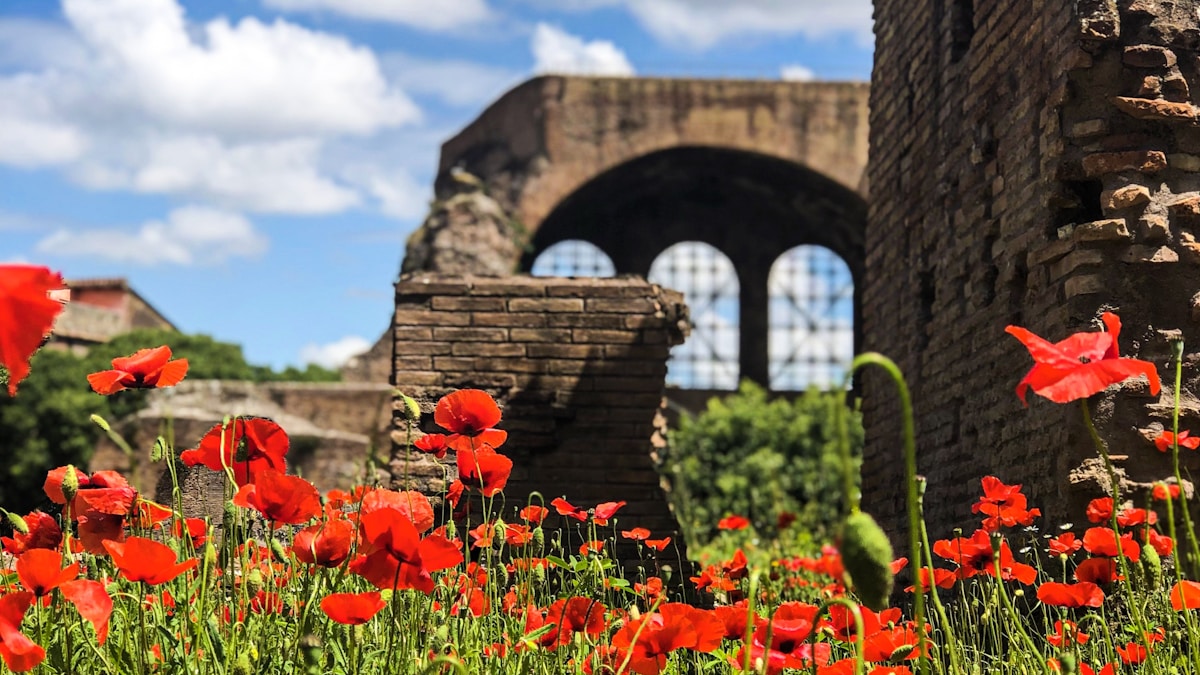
x=380, y=580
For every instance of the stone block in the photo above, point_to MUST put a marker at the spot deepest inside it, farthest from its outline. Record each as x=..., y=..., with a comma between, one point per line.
x=1088, y=128
x=1148, y=254
x=1151, y=87
x=1098, y=19
x=1088, y=284
x=1186, y=208
x=1184, y=162
x=1152, y=228
x=1110, y=230
x=1124, y=197
x=1104, y=163
x=1156, y=109
x=1148, y=56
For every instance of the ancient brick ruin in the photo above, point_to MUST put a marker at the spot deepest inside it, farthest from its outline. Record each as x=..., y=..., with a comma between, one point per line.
x=1034, y=164
x=577, y=366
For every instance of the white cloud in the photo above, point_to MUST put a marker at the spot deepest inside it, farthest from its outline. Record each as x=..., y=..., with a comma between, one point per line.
x=334, y=354
x=446, y=15
x=701, y=24
x=556, y=51
x=190, y=235
x=399, y=194
x=797, y=73
x=464, y=84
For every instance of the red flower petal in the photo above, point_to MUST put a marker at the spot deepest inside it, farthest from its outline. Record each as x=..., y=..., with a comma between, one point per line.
x=352, y=608
x=27, y=314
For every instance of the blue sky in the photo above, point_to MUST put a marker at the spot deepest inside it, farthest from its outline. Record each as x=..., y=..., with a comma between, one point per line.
x=253, y=167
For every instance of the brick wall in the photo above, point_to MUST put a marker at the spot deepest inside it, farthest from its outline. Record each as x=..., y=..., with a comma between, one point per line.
x=577, y=366
x=1010, y=185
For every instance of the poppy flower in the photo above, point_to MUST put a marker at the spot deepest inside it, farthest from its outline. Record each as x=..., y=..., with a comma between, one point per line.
x=92, y=602
x=41, y=531
x=20, y=653
x=40, y=571
x=658, y=544
x=733, y=522
x=352, y=608
x=1132, y=517
x=1161, y=543
x=788, y=645
x=1066, y=632
x=941, y=578
x=1185, y=595
x=144, y=369
x=569, y=510
x=1101, y=571
x=1082, y=594
x=395, y=556
x=27, y=313
x=414, y=505
x=434, y=444
x=484, y=469
x=534, y=514
x=1165, y=491
x=325, y=544
x=1166, y=440
x=593, y=546
x=1079, y=366
x=1103, y=541
x=636, y=534
x=246, y=445
x=470, y=416
x=574, y=615
x=517, y=534
x=974, y=555
x=141, y=559
x=280, y=498
x=649, y=640
x=891, y=643
x=1132, y=653
x=604, y=512
x=1099, y=510
x=99, y=505
x=1003, y=505
x=1064, y=544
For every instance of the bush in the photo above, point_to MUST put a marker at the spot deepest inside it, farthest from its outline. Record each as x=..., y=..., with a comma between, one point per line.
x=749, y=456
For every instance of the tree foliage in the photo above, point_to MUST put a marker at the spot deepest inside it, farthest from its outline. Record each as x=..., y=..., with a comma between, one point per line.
x=47, y=424
x=758, y=458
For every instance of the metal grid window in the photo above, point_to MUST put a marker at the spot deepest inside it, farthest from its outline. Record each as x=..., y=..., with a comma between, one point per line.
x=573, y=258
x=810, y=340
x=708, y=280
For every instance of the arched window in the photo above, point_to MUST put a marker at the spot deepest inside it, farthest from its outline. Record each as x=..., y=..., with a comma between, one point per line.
x=708, y=359
x=573, y=258
x=810, y=336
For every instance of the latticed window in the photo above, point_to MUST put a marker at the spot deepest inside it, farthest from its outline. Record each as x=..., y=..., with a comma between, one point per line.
x=811, y=319
x=573, y=258
x=709, y=357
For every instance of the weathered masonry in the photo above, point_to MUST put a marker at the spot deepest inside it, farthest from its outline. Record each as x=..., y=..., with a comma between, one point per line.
x=1032, y=163
x=577, y=366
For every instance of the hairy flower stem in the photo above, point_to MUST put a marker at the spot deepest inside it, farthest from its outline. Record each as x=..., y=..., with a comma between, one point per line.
x=1177, y=360
x=910, y=475
x=956, y=660
x=859, y=633
x=1017, y=620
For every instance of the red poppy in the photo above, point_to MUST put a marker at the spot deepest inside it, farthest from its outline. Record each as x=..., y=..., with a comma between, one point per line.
x=326, y=544
x=604, y=512
x=41, y=531
x=1185, y=595
x=649, y=640
x=1161, y=543
x=941, y=578
x=593, y=546
x=574, y=615
x=280, y=498
x=20, y=653
x=1079, y=366
x=1102, y=541
x=1166, y=440
x=1132, y=517
x=395, y=556
x=1132, y=653
x=1066, y=632
x=1082, y=594
x=53, y=487
x=1165, y=491
x=469, y=415
x=891, y=642
x=352, y=608
x=636, y=534
x=27, y=313
x=196, y=530
x=1003, y=505
x=733, y=522
x=414, y=505
x=41, y=571
x=789, y=646
x=100, y=505
x=141, y=559
x=517, y=534
x=658, y=544
x=92, y=602
x=246, y=445
x=1099, y=510
x=569, y=510
x=1064, y=544
x=484, y=469
x=144, y=369
x=974, y=556
x=434, y=444
x=534, y=514
x=1102, y=571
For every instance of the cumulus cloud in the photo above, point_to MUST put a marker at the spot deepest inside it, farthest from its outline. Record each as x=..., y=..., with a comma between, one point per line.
x=797, y=73
x=335, y=354
x=190, y=235
x=237, y=114
x=701, y=24
x=447, y=15
x=463, y=84
x=557, y=51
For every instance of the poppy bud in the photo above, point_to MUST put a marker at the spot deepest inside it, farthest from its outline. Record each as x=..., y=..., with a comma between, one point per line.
x=1069, y=665
x=502, y=571
x=242, y=665
x=70, y=483
x=159, y=450
x=1152, y=566
x=17, y=522
x=539, y=538
x=101, y=422
x=499, y=531
x=210, y=555
x=254, y=581
x=867, y=556
x=410, y=410
x=277, y=551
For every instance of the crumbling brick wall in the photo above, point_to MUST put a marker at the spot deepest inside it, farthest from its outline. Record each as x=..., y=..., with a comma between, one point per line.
x=577, y=366
x=1032, y=163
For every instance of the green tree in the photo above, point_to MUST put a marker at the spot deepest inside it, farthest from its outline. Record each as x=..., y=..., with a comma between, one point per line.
x=47, y=424
x=758, y=458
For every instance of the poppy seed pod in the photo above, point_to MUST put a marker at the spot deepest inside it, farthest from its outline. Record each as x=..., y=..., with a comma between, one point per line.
x=867, y=556
x=1152, y=566
x=410, y=410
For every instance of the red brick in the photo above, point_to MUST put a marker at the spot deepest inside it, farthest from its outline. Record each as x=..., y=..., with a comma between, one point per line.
x=487, y=349
x=545, y=305
x=540, y=335
x=470, y=334
x=604, y=336
x=460, y=304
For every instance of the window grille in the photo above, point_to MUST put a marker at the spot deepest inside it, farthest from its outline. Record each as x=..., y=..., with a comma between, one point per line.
x=573, y=258
x=708, y=359
x=810, y=340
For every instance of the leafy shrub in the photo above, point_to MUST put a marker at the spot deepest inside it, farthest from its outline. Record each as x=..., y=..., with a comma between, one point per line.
x=749, y=456
x=47, y=424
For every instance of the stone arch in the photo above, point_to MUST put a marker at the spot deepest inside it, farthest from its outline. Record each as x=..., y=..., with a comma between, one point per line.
x=749, y=206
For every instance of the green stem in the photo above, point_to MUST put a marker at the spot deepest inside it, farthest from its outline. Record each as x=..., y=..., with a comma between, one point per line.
x=1177, y=358
x=1017, y=620
x=910, y=475
x=859, y=632
x=956, y=661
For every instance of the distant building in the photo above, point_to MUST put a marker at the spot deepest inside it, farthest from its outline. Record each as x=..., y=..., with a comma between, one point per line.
x=101, y=309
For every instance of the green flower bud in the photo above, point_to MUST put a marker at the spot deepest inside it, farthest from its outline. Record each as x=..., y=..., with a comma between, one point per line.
x=499, y=531
x=539, y=538
x=255, y=581
x=867, y=557
x=101, y=422
x=242, y=665
x=410, y=410
x=277, y=551
x=1067, y=660
x=70, y=484
x=1152, y=567
x=18, y=523
x=159, y=451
